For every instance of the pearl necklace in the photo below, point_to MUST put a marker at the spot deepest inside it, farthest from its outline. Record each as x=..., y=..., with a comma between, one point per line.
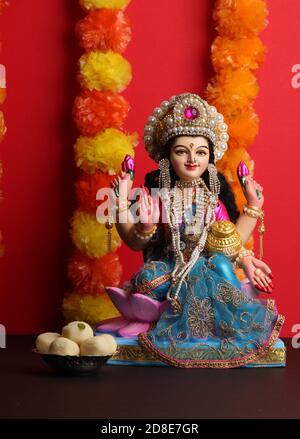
x=185, y=194
x=173, y=209
x=190, y=183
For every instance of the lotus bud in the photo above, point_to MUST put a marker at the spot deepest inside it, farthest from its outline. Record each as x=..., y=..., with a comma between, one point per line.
x=128, y=166
x=242, y=172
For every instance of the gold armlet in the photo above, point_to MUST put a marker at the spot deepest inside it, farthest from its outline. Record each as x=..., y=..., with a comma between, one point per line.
x=223, y=237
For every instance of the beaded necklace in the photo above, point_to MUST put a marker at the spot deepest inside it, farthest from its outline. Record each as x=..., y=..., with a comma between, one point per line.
x=205, y=210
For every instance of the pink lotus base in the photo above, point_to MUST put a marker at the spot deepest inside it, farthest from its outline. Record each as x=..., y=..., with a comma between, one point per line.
x=139, y=311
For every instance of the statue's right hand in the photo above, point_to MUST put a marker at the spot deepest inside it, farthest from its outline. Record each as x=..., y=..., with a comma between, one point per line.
x=148, y=209
x=122, y=184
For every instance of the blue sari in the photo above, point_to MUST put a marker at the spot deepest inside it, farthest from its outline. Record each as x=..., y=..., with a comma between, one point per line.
x=217, y=326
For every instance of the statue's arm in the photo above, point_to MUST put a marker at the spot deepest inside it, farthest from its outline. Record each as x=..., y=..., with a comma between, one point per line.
x=245, y=226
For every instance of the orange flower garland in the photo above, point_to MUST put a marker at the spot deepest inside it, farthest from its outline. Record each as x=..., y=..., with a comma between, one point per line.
x=99, y=113
x=237, y=52
x=104, y=29
x=90, y=276
x=87, y=187
x=96, y=110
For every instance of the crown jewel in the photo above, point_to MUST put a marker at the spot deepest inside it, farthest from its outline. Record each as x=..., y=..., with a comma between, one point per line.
x=185, y=114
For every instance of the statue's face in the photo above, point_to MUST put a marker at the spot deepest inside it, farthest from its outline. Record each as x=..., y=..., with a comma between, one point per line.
x=189, y=156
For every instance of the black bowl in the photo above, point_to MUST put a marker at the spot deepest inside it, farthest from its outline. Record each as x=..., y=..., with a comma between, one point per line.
x=73, y=365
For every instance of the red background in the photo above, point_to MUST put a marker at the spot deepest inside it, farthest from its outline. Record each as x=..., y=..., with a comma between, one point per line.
x=169, y=54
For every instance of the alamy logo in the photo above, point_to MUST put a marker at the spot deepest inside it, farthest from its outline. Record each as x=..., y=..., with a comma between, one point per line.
x=295, y=81
x=2, y=337
x=296, y=337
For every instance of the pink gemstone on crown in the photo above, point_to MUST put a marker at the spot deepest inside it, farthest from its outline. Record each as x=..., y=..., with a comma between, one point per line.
x=191, y=113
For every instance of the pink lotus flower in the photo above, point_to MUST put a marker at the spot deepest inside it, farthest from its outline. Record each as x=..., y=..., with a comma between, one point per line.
x=137, y=311
x=128, y=164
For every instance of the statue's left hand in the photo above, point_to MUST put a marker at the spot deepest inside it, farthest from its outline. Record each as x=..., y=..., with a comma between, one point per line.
x=253, y=192
x=259, y=273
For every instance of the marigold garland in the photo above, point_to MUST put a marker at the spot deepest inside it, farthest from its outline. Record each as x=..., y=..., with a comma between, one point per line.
x=87, y=187
x=232, y=90
x=94, y=111
x=92, y=275
x=237, y=52
x=240, y=18
x=99, y=113
x=243, y=53
x=104, y=29
x=87, y=308
x=244, y=128
x=105, y=151
x=97, y=4
x=89, y=236
x=102, y=71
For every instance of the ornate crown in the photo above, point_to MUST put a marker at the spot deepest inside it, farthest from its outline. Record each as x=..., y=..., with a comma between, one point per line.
x=185, y=114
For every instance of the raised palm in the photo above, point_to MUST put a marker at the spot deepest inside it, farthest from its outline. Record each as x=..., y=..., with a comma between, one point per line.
x=148, y=208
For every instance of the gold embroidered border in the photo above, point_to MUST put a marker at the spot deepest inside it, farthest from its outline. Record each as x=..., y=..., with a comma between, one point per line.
x=137, y=353
x=271, y=304
x=152, y=284
x=249, y=358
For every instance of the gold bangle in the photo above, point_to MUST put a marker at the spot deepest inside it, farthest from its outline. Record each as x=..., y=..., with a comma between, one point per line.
x=243, y=252
x=149, y=232
x=257, y=213
x=253, y=211
x=124, y=205
x=254, y=207
x=144, y=236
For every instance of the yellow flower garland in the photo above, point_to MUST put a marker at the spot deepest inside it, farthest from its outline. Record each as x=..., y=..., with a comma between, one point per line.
x=104, y=71
x=89, y=236
x=104, y=152
x=89, y=5
x=99, y=72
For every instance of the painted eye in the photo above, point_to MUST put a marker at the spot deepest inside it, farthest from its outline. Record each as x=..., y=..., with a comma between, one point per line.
x=201, y=152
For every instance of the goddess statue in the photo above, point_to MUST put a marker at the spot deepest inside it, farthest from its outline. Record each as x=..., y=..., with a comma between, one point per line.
x=186, y=306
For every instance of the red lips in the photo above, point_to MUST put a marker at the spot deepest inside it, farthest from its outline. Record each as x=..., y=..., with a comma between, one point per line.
x=191, y=166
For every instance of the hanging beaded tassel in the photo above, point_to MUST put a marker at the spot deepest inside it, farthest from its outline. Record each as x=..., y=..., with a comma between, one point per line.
x=164, y=175
x=261, y=231
x=214, y=182
x=108, y=226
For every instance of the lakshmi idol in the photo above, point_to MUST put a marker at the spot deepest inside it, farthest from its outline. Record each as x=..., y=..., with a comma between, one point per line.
x=186, y=307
